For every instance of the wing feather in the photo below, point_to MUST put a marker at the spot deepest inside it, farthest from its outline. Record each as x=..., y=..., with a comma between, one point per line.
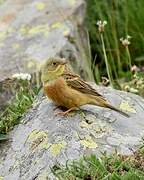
x=77, y=83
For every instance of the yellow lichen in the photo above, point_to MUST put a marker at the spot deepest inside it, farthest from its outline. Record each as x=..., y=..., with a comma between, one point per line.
x=1, y=44
x=126, y=107
x=35, y=30
x=40, y=6
x=83, y=124
x=31, y=64
x=24, y=29
x=16, y=164
x=43, y=28
x=1, y=178
x=10, y=30
x=5, y=32
x=96, y=129
x=72, y=2
x=56, y=148
x=3, y=35
x=66, y=32
x=45, y=33
x=57, y=25
x=38, y=139
x=16, y=46
x=88, y=142
x=66, y=29
x=43, y=176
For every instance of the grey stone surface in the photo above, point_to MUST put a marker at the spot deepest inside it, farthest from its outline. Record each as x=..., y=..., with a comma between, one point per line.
x=33, y=30
x=44, y=139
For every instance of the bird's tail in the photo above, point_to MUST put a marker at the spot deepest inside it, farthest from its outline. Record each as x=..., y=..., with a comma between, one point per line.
x=98, y=101
x=118, y=110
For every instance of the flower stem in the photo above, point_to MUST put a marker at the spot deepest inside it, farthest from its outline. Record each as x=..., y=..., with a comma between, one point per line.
x=129, y=57
x=106, y=60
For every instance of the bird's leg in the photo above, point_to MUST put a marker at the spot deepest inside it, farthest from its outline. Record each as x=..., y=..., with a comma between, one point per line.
x=57, y=107
x=66, y=112
x=60, y=107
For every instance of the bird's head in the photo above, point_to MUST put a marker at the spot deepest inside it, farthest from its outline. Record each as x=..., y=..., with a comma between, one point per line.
x=52, y=69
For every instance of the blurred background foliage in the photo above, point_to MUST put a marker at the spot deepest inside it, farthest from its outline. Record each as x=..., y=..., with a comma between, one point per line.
x=124, y=17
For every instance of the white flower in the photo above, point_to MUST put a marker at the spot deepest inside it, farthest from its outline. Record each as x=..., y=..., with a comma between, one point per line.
x=125, y=42
x=101, y=25
x=126, y=87
x=22, y=76
x=134, y=68
x=133, y=90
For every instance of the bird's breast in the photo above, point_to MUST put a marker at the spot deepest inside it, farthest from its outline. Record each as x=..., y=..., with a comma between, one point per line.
x=55, y=90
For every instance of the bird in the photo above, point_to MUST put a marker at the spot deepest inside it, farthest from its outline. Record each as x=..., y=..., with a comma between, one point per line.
x=69, y=90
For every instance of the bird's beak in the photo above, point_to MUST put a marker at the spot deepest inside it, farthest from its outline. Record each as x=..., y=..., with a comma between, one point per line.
x=64, y=62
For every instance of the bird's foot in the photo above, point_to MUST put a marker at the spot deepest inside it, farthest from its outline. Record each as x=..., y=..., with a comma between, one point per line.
x=65, y=112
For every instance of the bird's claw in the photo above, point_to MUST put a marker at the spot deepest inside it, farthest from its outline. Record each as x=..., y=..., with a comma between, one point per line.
x=61, y=114
x=65, y=112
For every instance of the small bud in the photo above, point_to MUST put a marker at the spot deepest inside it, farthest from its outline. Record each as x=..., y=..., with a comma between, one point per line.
x=125, y=42
x=126, y=87
x=133, y=90
x=134, y=68
x=101, y=25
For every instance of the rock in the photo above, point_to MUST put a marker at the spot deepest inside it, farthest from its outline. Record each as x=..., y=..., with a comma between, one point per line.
x=43, y=140
x=32, y=31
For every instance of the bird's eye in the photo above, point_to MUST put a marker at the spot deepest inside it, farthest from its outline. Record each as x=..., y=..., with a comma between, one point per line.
x=54, y=63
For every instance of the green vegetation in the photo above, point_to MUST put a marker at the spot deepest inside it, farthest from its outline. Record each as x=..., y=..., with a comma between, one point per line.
x=123, y=18
x=25, y=93
x=112, y=167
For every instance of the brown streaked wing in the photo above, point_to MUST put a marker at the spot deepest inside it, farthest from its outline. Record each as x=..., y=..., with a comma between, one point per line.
x=75, y=82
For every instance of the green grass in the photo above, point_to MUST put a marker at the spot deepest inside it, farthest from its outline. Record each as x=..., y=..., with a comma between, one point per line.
x=124, y=17
x=108, y=167
x=25, y=94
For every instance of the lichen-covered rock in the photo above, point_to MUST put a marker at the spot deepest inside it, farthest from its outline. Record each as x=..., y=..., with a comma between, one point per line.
x=43, y=139
x=31, y=31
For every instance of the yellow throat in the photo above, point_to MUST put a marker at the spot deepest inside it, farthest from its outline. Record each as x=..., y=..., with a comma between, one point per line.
x=53, y=74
